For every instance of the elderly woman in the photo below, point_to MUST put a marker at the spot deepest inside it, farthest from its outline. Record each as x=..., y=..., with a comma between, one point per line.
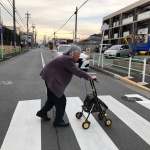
x=57, y=75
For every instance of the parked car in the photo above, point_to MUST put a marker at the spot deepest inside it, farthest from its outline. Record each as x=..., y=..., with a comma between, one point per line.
x=118, y=51
x=83, y=62
x=104, y=47
x=61, y=48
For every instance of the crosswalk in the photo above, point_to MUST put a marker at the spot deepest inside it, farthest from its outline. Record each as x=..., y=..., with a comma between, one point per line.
x=95, y=132
x=24, y=132
x=138, y=124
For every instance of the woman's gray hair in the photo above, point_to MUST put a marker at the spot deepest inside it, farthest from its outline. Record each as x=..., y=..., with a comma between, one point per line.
x=71, y=50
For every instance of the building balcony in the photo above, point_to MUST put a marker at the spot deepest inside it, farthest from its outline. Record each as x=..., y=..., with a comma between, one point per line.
x=116, y=24
x=143, y=31
x=105, y=37
x=127, y=20
x=143, y=15
x=126, y=33
x=115, y=35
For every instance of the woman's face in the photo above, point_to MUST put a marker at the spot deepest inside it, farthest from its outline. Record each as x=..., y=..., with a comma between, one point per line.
x=76, y=56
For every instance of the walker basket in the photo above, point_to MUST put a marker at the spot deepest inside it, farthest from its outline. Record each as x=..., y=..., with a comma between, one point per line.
x=93, y=104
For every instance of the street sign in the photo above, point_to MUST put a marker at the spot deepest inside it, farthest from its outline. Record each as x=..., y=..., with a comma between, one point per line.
x=104, y=27
x=1, y=28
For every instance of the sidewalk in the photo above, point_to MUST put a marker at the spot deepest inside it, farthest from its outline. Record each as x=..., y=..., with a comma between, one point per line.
x=123, y=74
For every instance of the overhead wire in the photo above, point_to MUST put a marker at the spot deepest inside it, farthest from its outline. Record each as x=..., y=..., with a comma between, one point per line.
x=10, y=2
x=82, y=4
x=68, y=19
x=23, y=22
x=5, y=8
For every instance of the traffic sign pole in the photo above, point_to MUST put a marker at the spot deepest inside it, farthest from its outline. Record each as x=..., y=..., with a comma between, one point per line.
x=1, y=32
x=103, y=28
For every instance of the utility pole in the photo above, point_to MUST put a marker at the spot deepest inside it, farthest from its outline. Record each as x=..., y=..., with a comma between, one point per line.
x=73, y=37
x=1, y=32
x=14, y=22
x=35, y=37
x=27, y=27
x=33, y=27
x=54, y=41
x=76, y=25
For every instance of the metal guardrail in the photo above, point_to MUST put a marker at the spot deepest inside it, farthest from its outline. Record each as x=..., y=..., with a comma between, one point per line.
x=130, y=59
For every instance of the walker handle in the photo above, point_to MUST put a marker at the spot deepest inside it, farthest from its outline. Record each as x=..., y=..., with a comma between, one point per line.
x=93, y=87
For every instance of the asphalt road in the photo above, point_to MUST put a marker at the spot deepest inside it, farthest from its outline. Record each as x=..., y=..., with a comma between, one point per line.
x=20, y=82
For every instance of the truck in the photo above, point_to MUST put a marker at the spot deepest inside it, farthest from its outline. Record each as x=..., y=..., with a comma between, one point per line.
x=140, y=44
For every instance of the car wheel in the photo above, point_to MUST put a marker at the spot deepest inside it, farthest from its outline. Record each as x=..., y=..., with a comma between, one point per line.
x=148, y=61
x=130, y=54
x=118, y=55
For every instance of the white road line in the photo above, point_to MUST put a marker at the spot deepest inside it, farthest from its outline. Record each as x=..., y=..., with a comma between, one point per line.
x=145, y=102
x=43, y=63
x=24, y=132
x=138, y=124
x=93, y=138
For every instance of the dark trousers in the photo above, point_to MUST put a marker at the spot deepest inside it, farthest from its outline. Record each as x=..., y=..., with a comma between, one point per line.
x=59, y=103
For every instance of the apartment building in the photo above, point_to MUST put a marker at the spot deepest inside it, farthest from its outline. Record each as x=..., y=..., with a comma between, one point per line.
x=133, y=19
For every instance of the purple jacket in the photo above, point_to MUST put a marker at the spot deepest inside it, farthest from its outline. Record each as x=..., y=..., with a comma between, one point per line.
x=58, y=73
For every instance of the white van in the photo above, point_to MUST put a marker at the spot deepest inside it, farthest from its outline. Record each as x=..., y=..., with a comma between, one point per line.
x=82, y=63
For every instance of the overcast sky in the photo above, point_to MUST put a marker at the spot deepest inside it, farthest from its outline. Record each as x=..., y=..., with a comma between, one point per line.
x=49, y=15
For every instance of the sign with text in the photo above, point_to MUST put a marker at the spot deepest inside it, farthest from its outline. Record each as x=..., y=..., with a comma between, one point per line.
x=1, y=28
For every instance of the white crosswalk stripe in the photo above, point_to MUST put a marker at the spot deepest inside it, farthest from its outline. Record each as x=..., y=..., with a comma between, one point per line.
x=94, y=137
x=145, y=102
x=138, y=124
x=24, y=132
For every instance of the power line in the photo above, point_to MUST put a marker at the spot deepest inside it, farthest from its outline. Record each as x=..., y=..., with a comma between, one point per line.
x=10, y=2
x=64, y=24
x=5, y=6
x=21, y=18
x=69, y=19
x=6, y=9
x=82, y=4
x=23, y=22
x=9, y=13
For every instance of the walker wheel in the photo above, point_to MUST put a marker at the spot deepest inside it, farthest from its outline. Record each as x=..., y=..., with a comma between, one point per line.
x=108, y=122
x=78, y=115
x=100, y=116
x=86, y=125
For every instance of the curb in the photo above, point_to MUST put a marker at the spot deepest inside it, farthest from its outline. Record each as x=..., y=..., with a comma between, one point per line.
x=6, y=58
x=119, y=77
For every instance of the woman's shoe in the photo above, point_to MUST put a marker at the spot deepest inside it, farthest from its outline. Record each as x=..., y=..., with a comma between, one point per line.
x=39, y=114
x=61, y=124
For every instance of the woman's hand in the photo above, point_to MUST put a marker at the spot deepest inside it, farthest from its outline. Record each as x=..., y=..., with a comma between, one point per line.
x=93, y=77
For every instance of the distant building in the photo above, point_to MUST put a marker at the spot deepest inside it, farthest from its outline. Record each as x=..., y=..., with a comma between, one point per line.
x=91, y=42
x=23, y=36
x=133, y=19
